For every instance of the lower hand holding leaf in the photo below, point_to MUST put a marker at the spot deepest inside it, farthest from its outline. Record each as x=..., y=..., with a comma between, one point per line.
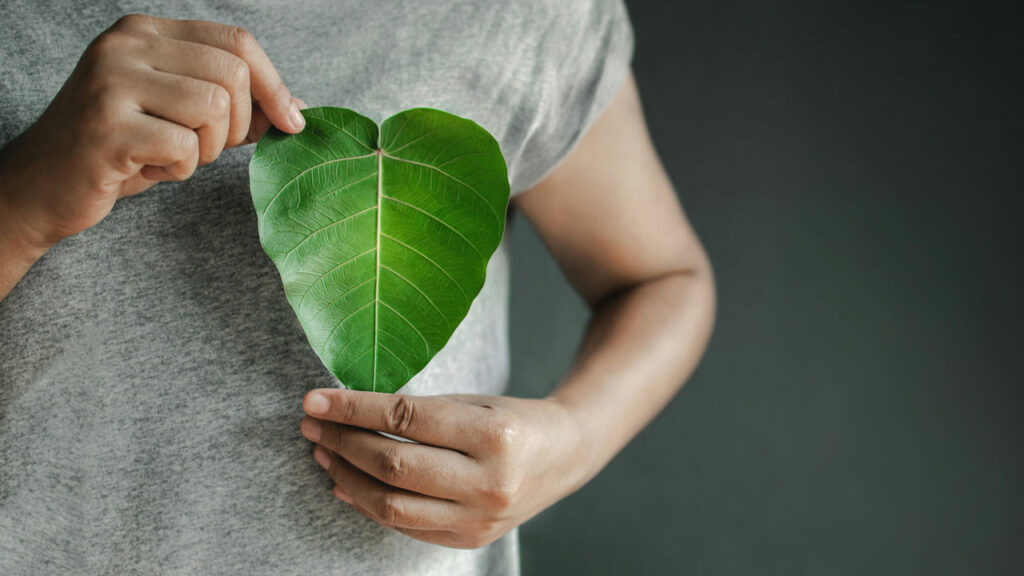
x=481, y=465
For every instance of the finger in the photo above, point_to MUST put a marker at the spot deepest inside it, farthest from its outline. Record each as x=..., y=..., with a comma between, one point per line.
x=443, y=538
x=267, y=88
x=155, y=174
x=414, y=467
x=260, y=123
x=257, y=127
x=152, y=142
x=197, y=104
x=386, y=505
x=432, y=420
x=212, y=65
x=139, y=182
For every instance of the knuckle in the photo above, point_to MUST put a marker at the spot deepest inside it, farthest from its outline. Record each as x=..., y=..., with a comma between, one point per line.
x=185, y=143
x=392, y=468
x=400, y=416
x=103, y=44
x=501, y=494
x=106, y=45
x=238, y=75
x=390, y=510
x=476, y=540
x=132, y=21
x=208, y=157
x=348, y=408
x=241, y=39
x=186, y=169
x=485, y=529
x=185, y=146
x=105, y=55
x=219, y=101
x=501, y=434
x=122, y=161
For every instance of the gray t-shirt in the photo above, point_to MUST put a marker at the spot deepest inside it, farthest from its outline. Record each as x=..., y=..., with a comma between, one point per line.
x=151, y=370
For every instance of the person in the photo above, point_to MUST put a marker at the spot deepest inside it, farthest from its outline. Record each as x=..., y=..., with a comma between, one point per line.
x=151, y=371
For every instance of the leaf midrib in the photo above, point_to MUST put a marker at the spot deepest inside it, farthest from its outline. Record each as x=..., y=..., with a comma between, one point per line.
x=376, y=297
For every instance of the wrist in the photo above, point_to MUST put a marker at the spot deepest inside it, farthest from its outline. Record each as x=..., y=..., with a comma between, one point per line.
x=587, y=441
x=21, y=233
x=18, y=245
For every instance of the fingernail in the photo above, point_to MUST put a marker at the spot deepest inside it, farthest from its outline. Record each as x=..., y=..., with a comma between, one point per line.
x=298, y=122
x=322, y=458
x=317, y=403
x=311, y=429
x=341, y=494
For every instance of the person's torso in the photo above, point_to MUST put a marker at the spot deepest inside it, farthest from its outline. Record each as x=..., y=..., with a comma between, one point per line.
x=151, y=370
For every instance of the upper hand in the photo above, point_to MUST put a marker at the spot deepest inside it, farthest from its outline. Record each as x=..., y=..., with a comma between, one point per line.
x=481, y=466
x=150, y=100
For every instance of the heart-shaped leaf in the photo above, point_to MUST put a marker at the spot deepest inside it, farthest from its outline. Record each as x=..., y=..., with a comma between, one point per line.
x=381, y=237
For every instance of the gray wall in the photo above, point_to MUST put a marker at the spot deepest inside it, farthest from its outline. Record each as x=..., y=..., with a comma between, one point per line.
x=855, y=170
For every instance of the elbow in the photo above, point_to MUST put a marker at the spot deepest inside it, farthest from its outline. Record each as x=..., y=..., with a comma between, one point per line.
x=683, y=284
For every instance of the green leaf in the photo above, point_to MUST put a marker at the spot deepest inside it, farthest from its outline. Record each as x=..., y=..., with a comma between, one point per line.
x=381, y=237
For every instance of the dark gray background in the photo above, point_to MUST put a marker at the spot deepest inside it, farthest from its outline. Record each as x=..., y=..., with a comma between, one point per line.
x=855, y=172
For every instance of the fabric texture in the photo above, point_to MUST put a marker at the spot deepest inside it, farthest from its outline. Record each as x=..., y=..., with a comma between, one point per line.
x=151, y=370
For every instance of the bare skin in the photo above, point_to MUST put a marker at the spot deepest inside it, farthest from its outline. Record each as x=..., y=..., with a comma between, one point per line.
x=483, y=464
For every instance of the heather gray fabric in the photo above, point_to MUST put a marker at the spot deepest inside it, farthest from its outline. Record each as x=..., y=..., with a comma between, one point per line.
x=151, y=370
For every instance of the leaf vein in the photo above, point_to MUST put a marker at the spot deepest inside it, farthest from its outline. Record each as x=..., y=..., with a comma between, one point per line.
x=453, y=178
x=315, y=166
x=442, y=222
x=327, y=340
x=417, y=288
x=431, y=260
x=298, y=141
x=408, y=371
x=384, y=332
x=411, y=325
x=414, y=140
x=354, y=360
x=450, y=160
x=322, y=228
x=347, y=133
x=324, y=275
x=343, y=294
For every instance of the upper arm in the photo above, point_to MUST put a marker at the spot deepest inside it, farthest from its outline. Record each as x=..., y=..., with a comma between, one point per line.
x=608, y=213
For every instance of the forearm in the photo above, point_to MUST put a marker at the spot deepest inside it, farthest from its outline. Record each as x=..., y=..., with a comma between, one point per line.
x=639, y=349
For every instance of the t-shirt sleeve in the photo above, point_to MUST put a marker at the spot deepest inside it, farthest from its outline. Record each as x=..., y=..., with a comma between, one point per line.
x=586, y=64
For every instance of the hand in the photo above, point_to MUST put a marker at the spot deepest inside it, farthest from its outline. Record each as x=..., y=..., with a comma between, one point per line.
x=149, y=101
x=482, y=464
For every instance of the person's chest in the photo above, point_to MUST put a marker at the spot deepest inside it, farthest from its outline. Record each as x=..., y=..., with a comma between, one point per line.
x=180, y=266
x=471, y=58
